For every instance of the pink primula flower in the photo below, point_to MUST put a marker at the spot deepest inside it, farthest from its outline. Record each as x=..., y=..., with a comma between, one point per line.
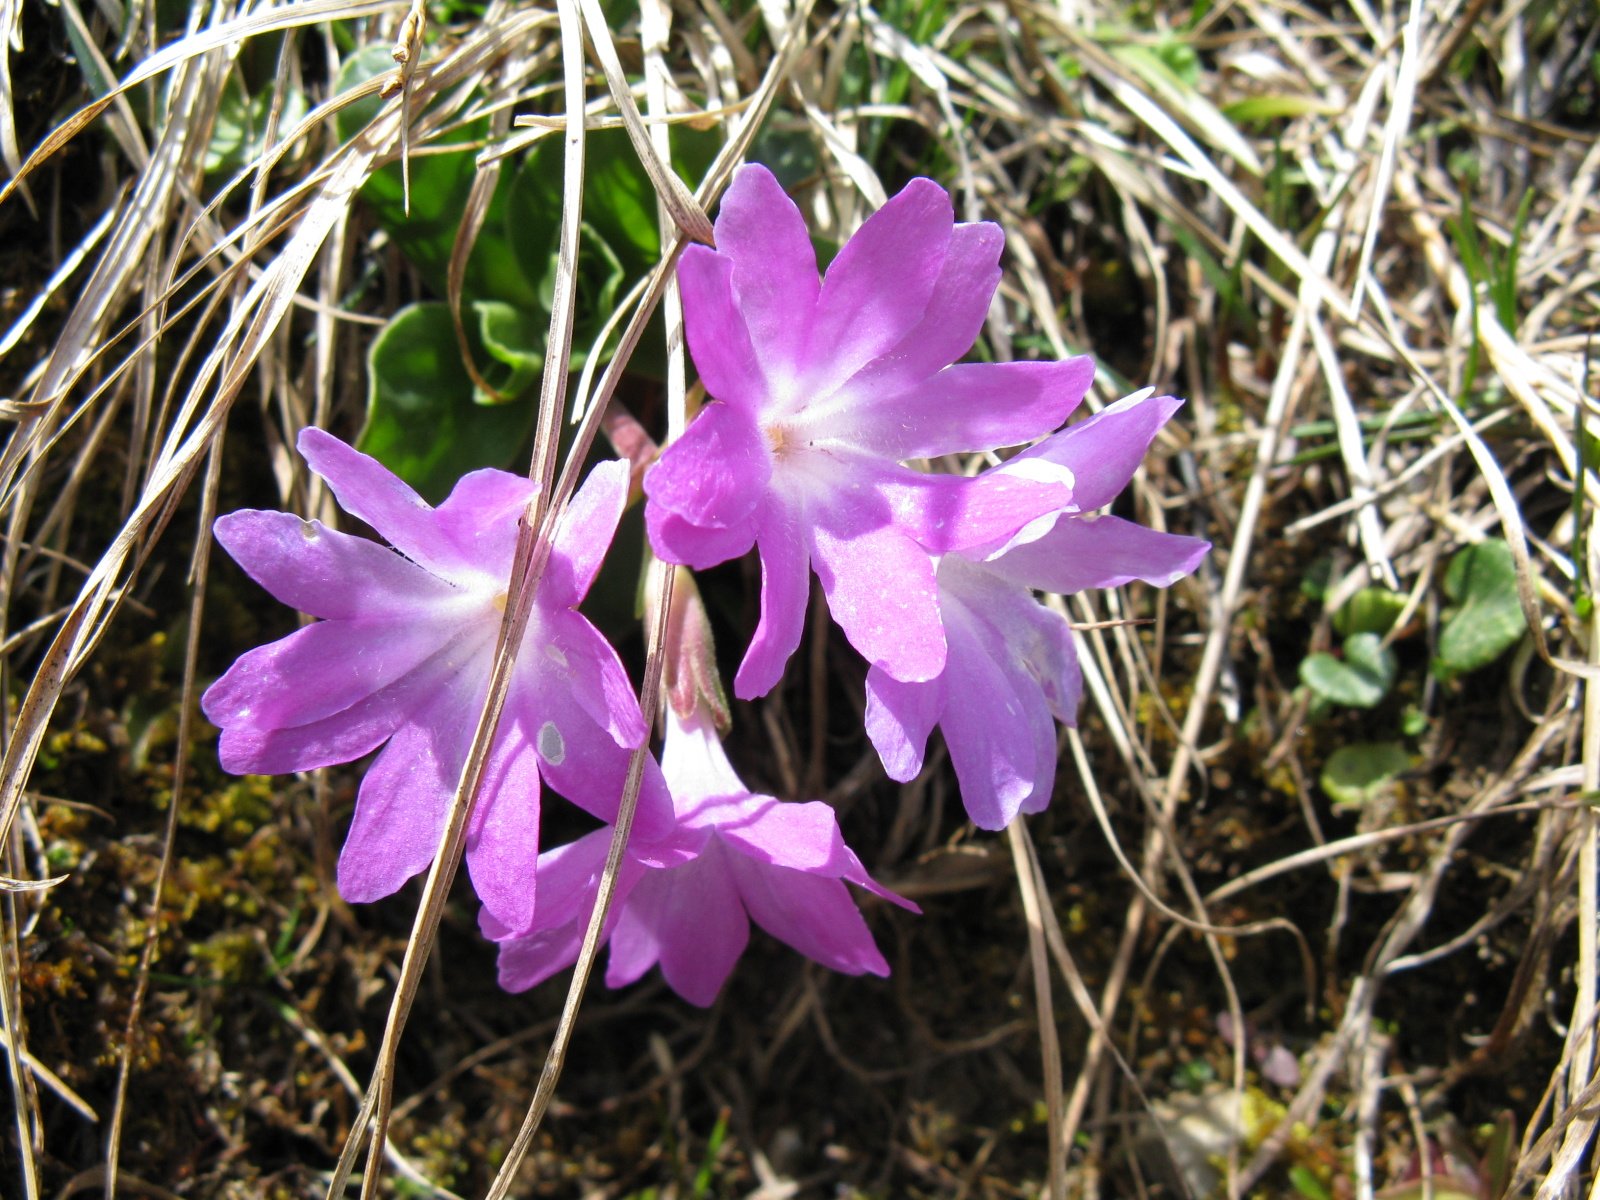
x=1012, y=665
x=402, y=656
x=782, y=864
x=819, y=388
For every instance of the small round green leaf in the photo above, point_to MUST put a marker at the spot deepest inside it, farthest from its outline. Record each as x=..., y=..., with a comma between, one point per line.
x=1359, y=773
x=1371, y=610
x=1361, y=679
x=1482, y=580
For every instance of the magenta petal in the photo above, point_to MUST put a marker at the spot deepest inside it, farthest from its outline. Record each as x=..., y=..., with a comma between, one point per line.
x=675, y=540
x=900, y=716
x=785, y=589
x=346, y=735
x=480, y=517
x=1100, y=552
x=719, y=340
x=716, y=473
x=401, y=807
x=583, y=535
x=699, y=922
x=580, y=662
x=1103, y=451
x=503, y=840
x=881, y=590
x=985, y=726
x=951, y=512
x=814, y=915
x=877, y=289
x=529, y=961
x=634, y=945
x=954, y=317
x=1038, y=637
x=323, y=572
x=774, y=265
x=571, y=877
x=367, y=489
x=784, y=834
x=319, y=670
x=972, y=407
x=584, y=763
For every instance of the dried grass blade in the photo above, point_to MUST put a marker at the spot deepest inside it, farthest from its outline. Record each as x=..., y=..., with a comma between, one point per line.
x=555, y=1057
x=670, y=190
x=24, y=322
x=266, y=304
x=199, y=574
x=1033, y=900
x=283, y=16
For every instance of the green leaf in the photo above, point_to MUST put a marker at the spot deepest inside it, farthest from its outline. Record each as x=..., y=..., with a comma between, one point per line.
x=1500, y=1158
x=1371, y=610
x=240, y=130
x=515, y=337
x=1180, y=57
x=1269, y=107
x=1357, y=774
x=440, y=185
x=423, y=420
x=1307, y=1184
x=1482, y=580
x=1361, y=679
x=790, y=154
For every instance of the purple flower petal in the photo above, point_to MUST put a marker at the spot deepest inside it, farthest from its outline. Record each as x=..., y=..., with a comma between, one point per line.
x=717, y=473
x=973, y=406
x=1104, y=451
x=318, y=671
x=882, y=591
x=1099, y=552
x=583, y=535
x=714, y=325
x=780, y=833
x=369, y=490
x=580, y=662
x=878, y=287
x=698, y=922
x=900, y=716
x=583, y=762
x=503, y=840
x=401, y=807
x=480, y=517
x=814, y=915
x=954, y=317
x=774, y=266
x=347, y=735
x=948, y=513
x=635, y=948
x=986, y=725
x=322, y=572
x=785, y=588
x=571, y=878
x=675, y=540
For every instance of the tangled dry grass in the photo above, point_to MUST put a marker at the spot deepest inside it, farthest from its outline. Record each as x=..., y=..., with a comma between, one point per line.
x=1362, y=242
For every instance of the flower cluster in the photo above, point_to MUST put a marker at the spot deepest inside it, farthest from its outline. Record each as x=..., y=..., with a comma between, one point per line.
x=828, y=396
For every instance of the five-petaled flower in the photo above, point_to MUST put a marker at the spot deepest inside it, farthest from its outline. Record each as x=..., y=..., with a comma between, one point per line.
x=402, y=656
x=820, y=388
x=781, y=863
x=1012, y=663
